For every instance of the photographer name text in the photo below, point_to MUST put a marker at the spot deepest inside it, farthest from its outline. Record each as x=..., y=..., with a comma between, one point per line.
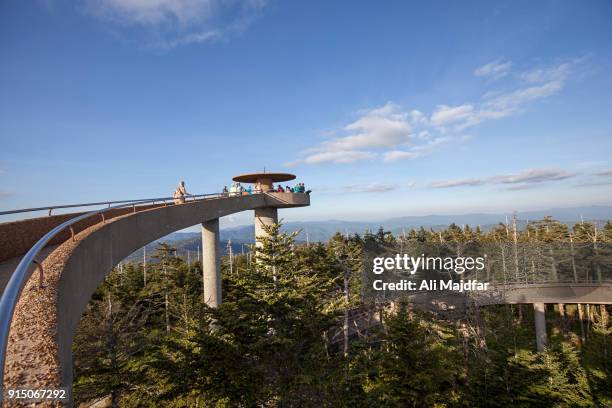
x=410, y=264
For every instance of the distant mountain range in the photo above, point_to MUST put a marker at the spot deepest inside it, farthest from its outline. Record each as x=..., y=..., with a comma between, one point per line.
x=322, y=230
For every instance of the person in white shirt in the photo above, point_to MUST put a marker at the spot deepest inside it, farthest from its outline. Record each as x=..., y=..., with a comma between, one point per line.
x=180, y=193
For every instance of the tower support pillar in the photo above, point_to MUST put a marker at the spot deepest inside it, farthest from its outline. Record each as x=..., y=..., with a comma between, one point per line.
x=211, y=262
x=264, y=216
x=539, y=311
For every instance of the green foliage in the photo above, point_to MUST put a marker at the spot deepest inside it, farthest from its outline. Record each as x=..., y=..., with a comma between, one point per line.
x=597, y=360
x=403, y=377
x=284, y=337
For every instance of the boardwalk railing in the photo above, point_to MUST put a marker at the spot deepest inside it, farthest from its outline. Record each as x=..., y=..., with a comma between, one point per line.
x=22, y=273
x=50, y=208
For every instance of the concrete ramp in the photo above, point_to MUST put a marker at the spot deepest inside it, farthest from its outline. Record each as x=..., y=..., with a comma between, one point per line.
x=39, y=350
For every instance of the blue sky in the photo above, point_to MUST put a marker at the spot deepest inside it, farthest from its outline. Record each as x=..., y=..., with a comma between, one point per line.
x=383, y=109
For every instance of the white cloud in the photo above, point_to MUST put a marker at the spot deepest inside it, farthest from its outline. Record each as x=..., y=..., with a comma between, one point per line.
x=396, y=155
x=541, y=84
x=417, y=117
x=385, y=131
x=556, y=73
x=511, y=101
x=373, y=131
x=595, y=184
x=457, y=183
x=170, y=23
x=495, y=69
x=380, y=128
x=153, y=12
x=422, y=149
x=520, y=181
x=370, y=188
x=193, y=38
x=334, y=156
x=444, y=115
x=519, y=187
x=605, y=173
x=394, y=133
x=534, y=176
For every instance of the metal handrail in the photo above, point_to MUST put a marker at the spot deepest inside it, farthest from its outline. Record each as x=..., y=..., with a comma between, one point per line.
x=55, y=207
x=18, y=279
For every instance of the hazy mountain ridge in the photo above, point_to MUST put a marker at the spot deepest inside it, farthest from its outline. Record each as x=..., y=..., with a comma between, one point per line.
x=315, y=231
x=323, y=230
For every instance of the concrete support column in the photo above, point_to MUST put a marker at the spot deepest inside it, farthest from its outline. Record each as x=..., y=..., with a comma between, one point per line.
x=539, y=310
x=211, y=262
x=264, y=216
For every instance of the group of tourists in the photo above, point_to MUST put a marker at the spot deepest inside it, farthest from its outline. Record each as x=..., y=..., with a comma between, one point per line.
x=298, y=188
x=236, y=189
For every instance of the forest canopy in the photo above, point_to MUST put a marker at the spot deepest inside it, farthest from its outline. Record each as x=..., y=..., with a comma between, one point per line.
x=295, y=329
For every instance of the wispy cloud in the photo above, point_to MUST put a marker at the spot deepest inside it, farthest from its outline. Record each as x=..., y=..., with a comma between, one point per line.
x=384, y=127
x=335, y=156
x=457, y=183
x=519, y=181
x=370, y=188
x=396, y=155
x=394, y=133
x=533, y=85
x=445, y=115
x=496, y=69
x=386, y=131
x=534, y=176
x=425, y=147
x=192, y=38
x=604, y=173
x=596, y=184
x=154, y=12
x=519, y=187
x=171, y=23
x=547, y=74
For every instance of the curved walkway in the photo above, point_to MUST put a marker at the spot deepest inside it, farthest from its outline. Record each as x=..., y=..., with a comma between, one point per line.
x=524, y=293
x=39, y=352
x=592, y=293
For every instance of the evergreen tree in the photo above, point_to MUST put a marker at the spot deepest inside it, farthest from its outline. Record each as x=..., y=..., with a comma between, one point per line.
x=291, y=331
x=417, y=363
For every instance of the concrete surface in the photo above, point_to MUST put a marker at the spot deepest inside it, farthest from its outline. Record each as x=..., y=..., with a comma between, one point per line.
x=78, y=269
x=539, y=314
x=211, y=262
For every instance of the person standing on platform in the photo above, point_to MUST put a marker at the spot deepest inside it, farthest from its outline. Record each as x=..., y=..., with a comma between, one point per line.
x=180, y=193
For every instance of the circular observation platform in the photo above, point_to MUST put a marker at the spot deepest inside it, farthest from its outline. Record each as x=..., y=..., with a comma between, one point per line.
x=268, y=178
